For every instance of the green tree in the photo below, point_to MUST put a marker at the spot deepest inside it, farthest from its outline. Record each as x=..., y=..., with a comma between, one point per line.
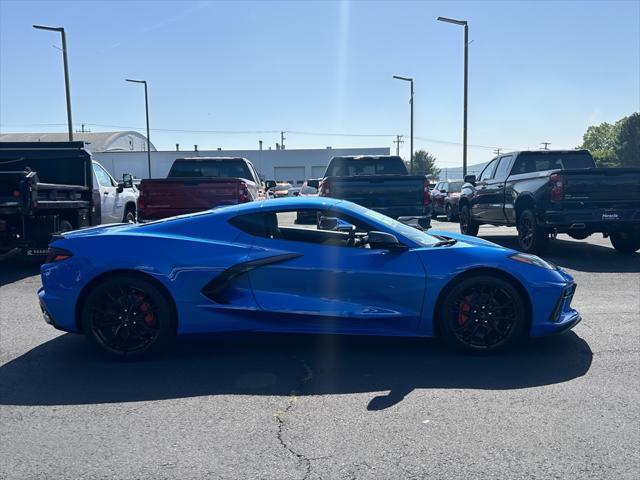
x=424, y=163
x=627, y=147
x=601, y=140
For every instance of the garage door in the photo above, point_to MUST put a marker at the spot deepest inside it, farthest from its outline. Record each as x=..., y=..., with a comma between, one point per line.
x=318, y=172
x=293, y=175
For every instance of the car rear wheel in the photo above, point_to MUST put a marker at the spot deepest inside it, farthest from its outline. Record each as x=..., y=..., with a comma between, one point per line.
x=449, y=213
x=467, y=225
x=128, y=317
x=626, y=241
x=482, y=314
x=531, y=237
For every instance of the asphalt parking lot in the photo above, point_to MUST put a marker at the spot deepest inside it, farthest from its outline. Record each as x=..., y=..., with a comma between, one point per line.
x=293, y=407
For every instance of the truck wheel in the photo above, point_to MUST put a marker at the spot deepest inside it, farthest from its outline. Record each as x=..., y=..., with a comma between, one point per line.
x=449, y=212
x=129, y=215
x=626, y=241
x=531, y=237
x=468, y=226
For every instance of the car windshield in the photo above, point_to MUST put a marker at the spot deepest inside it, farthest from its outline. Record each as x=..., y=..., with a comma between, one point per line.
x=348, y=167
x=418, y=236
x=210, y=168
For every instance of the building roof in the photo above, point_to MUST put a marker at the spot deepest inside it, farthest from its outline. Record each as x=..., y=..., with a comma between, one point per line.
x=95, y=141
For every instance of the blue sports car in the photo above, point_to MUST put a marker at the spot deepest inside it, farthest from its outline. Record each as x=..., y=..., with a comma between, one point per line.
x=131, y=289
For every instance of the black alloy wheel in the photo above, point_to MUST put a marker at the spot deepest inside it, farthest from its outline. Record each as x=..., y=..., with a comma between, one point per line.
x=482, y=314
x=127, y=317
x=467, y=225
x=449, y=213
x=531, y=237
x=130, y=216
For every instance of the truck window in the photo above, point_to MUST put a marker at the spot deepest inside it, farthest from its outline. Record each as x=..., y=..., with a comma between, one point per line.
x=103, y=177
x=487, y=173
x=348, y=167
x=502, y=172
x=541, y=161
x=210, y=168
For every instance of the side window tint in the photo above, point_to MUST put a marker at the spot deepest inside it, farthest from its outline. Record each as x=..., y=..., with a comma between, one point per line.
x=487, y=173
x=503, y=168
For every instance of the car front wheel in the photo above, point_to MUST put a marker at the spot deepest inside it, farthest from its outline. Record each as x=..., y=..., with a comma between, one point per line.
x=467, y=225
x=128, y=317
x=482, y=314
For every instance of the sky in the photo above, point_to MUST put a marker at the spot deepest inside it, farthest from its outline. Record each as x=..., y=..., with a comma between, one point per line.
x=228, y=74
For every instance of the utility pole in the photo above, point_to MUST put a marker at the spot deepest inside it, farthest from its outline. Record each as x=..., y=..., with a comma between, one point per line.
x=146, y=110
x=398, y=141
x=546, y=145
x=67, y=88
x=282, y=139
x=410, y=80
x=497, y=151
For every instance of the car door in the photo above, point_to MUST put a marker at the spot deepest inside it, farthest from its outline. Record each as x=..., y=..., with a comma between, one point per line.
x=322, y=287
x=107, y=195
x=480, y=204
x=435, y=196
x=495, y=193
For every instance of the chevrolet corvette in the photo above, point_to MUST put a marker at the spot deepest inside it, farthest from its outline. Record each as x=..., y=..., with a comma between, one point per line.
x=134, y=288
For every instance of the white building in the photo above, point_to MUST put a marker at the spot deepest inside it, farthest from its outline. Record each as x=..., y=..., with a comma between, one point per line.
x=292, y=166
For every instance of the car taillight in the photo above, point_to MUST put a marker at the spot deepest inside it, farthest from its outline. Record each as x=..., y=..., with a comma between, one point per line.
x=324, y=189
x=426, y=198
x=243, y=193
x=55, y=254
x=15, y=193
x=557, y=187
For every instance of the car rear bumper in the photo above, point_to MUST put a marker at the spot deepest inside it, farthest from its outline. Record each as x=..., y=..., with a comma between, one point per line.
x=48, y=317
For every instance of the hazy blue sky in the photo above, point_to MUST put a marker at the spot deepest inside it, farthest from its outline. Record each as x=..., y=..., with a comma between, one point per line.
x=539, y=71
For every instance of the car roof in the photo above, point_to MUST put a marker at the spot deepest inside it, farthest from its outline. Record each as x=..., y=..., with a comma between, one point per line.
x=287, y=202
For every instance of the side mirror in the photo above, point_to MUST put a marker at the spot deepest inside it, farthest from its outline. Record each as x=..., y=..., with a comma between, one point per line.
x=328, y=223
x=443, y=191
x=270, y=184
x=470, y=179
x=384, y=240
x=120, y=187
x=127, y=180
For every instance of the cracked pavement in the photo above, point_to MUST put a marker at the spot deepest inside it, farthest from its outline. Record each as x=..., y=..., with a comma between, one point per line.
x=324, y=407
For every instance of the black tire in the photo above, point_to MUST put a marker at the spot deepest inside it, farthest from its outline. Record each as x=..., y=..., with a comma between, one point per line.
x=531, y=237
x=128, y=317
x=449, y=212
x=129, y=215
x=434, y=215
x=468, y=226
x=626, y=241
x=482, y=314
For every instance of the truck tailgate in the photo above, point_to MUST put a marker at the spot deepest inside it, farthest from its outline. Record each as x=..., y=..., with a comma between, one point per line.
x=379, y=190
x=174, y=196
x=602, y=185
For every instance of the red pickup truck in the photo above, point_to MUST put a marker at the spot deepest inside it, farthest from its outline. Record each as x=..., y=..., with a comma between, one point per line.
x=199, y=183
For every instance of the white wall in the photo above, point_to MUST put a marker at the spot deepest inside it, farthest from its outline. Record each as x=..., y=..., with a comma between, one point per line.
x=265, y=161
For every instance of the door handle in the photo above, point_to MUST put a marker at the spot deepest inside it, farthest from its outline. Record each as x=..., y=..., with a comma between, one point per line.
x=105, y=193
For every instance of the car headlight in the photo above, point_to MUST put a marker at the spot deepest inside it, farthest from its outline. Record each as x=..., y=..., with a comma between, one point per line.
x=532, y=260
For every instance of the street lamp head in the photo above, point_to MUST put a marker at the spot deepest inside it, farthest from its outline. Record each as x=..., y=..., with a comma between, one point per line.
x=406, y=79
x=135, y=81
x=52, y=29
x=452, y=20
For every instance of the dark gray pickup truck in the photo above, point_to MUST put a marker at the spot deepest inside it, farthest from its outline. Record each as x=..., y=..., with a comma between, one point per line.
x=546, y=192
x=381, y=183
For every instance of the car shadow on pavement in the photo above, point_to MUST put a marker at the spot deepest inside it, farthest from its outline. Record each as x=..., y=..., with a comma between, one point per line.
x=13, y=270
x=579, y=255
x=68, y=371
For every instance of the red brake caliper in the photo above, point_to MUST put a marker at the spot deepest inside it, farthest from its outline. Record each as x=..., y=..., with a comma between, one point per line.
x=149, y=317
x=462, y=312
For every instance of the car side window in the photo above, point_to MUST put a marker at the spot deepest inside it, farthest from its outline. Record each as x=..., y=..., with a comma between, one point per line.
x=445, y=186
x=487, y=173
x=502, y=171
x=103, y=177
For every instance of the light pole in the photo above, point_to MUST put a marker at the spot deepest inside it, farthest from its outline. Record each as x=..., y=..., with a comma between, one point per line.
x=410, y=80
x=466, y=83
x=146, y=109
x=66, y=72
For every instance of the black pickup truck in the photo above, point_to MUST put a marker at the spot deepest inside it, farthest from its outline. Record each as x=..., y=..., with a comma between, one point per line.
x=381, y=183
x=52, y=187
x=547, y=192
